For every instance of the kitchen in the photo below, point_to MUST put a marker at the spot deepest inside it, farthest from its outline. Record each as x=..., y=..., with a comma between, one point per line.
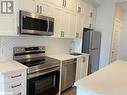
x=61, y=42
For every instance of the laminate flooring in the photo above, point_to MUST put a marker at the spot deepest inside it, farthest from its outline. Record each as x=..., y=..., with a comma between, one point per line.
x=71, y=91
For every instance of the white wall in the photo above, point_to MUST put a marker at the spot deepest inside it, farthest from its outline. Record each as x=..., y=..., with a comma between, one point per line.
x=122, y=53
x=105, y=19
x=53, y=46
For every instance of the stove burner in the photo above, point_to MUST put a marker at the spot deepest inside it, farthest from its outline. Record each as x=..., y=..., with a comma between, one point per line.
x=34, y=63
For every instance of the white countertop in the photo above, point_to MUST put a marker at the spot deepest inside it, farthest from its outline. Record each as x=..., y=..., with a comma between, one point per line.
x=65, y=56
x=7, y=66
x=111, y=80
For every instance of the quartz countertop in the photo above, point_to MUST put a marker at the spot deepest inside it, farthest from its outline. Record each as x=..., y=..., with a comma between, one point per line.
x=7, y=66
x=66, y=56
x=111, y=80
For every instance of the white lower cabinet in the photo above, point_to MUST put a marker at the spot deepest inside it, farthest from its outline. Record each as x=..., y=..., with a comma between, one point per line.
x=13, y=83
x=82, y=67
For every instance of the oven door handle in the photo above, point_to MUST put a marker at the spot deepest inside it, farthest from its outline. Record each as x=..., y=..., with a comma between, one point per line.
x=42, y=73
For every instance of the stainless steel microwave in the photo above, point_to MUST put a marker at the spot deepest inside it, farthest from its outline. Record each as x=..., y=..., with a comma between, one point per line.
x=35, y=24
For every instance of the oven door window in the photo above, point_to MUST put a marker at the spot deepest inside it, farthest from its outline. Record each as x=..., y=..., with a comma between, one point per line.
x=44, y=85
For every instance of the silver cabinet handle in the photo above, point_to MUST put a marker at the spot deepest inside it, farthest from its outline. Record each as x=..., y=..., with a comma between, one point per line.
x=91, y=14
x=40, y=9
x=47, y=25
x=65, y=3
x=79, y=9
x=62, y=33
x=37, y=8
x=16, y=76
x=16, y=85
x=90, y=26
x=77, y=35
x=84, y=59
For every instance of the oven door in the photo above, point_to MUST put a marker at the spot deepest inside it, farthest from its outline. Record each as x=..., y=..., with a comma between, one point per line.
x=47, y=84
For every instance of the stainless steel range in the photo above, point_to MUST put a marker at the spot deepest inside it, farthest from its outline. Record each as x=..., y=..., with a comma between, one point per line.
x=43, y=73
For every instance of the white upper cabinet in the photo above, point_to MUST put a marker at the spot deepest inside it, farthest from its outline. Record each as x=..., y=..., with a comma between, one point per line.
x=70, y=16
x=57, y=3
x=56, y=12
x=67, y=4
x=70, y=5
x=68, y=24
x=87, y=12
x=33, y=6
x=28, y=5
x=73, y=26
x=90, y=16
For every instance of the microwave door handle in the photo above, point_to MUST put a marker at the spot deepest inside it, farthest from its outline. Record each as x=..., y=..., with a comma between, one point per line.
x=47, y=25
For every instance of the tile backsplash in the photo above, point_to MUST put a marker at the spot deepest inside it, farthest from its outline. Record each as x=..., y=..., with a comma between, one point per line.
x=53, y=45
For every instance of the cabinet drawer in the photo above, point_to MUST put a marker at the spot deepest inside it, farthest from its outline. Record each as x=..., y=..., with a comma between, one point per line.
x=15, y=76
x=15, y=87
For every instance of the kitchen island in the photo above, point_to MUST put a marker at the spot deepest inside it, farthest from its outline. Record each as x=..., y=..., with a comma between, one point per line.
x=111, y=80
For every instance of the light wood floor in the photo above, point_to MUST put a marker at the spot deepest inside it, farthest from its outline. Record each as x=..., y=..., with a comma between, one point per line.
x=71, y=91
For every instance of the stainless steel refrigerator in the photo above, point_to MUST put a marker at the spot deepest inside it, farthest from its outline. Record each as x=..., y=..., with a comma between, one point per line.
x=91, y=43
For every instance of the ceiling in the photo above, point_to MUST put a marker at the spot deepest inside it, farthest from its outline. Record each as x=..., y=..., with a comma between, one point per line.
x=123, y=6
x=97, y=2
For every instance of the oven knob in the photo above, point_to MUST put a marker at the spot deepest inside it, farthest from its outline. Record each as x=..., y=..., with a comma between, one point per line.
x=18, y=50
x=22, y=49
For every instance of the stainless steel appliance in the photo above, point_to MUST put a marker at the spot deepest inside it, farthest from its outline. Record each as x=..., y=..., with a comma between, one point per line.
x=43, y=75
x=35, y=24
x=68, y=74
x=91, y=44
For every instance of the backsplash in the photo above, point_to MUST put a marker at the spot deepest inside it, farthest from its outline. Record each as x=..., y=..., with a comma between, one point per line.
x=53, y=45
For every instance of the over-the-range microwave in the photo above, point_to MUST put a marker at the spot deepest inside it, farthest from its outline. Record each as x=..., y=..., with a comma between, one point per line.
x=35, y=24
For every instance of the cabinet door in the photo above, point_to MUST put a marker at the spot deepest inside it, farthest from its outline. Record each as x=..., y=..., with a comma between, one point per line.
x=93, y=20
x=82, y=67
x=71, y=5
x=52, y=2
x=28, y=5
x=87, y=18
x=73, y=26
x=90, y=16
x=57, y=13
x=78, y=68
x=65, y=22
